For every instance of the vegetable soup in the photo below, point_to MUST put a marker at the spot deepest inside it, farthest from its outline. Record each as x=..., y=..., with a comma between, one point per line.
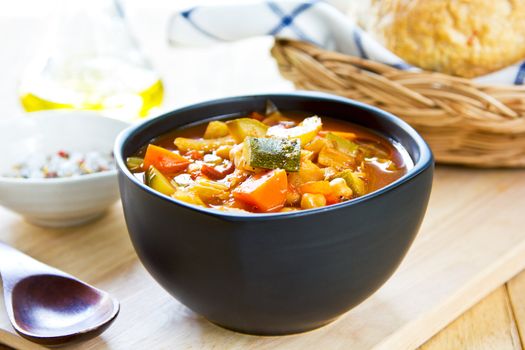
x=276, y=162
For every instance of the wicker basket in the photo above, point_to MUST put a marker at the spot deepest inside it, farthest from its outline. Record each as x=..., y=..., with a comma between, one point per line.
x=463, y=121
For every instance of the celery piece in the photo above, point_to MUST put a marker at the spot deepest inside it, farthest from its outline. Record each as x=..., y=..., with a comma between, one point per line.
x=353, y=181
x=341, y=144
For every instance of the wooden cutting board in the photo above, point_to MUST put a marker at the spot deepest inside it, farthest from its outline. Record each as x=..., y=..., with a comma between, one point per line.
x=472, y=240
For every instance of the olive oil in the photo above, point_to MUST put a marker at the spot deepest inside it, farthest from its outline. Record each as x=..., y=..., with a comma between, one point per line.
x=90, y=61
x=110, y=85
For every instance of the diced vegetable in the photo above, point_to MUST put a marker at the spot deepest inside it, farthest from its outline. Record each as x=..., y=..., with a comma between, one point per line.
x=312, y=200
x=217, y=172
x=293, y=196
x=321, y=187
x=264, y=191
x=356, y=183
x=316, y=145
x=164, y=160
x=341, y=144
x=193, y=168
x=329, y=172
x=305, y=131
x=237, y=177
x=224, y=151
x=212, y=159
x=156, y=180
x=208, y=190
x=184, y=144
x=195, y=155
x=134, y=164
x=269, y=162
x=331, y=157
x=306, y=155
x=239, y=159
x=244, y=127
x=308, y=172
x=188, y=197
x=272, y=153
x=340, y=191
x=334, y=191
x=182, y=180
x=215, y=130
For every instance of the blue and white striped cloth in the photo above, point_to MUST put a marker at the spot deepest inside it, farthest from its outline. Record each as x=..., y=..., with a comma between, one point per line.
x=314, y=21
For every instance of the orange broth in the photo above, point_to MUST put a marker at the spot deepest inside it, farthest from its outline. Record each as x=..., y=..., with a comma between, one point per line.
x=386, y=161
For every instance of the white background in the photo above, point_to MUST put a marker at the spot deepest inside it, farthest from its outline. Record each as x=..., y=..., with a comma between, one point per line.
x=189, y=74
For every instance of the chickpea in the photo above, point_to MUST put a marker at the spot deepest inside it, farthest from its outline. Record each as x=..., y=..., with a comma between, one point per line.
x=312, y=200
x=340, y=189
x=224, y=151
x=293, y=197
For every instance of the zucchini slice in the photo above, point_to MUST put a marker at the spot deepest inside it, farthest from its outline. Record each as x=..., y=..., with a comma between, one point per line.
x=134, y=164
x=273, y=153
x=156, y=180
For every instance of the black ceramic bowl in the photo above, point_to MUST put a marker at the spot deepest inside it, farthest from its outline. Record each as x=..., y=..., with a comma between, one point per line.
x=275, y=273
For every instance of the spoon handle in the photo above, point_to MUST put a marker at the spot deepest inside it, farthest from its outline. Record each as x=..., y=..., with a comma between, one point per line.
x=15, y=265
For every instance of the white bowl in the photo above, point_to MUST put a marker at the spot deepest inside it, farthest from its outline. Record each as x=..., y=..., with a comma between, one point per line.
x=58, y=202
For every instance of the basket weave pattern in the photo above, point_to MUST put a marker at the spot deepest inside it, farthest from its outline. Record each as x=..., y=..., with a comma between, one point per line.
x=464, y=122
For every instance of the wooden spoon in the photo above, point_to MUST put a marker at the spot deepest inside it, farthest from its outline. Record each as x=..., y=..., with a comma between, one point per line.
x=48, y=306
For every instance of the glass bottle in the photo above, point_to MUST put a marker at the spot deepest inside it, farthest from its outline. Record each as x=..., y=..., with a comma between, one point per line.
x=92, y=62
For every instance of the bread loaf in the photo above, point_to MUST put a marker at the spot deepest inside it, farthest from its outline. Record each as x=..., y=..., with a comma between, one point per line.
x=466, y=38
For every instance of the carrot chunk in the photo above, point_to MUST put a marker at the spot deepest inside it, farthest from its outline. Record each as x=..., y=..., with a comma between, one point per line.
x=317, y=187
x=265, y=191
x=164, y=160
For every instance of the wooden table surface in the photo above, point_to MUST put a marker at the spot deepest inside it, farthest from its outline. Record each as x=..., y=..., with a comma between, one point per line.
x=497, y=322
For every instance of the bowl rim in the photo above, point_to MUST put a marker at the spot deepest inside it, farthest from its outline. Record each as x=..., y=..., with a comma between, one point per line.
x=57, y=114
x=425, y=160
